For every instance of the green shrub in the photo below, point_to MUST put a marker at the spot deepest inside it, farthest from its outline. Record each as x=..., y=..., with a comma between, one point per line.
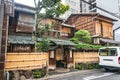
x=93, y=66
x=43, y=45
x=97, y=66
x=80, y=66
x=37, y=74
x=88, y=46
x=90, y=66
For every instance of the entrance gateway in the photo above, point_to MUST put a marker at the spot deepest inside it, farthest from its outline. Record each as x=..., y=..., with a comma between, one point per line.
x=61, y=56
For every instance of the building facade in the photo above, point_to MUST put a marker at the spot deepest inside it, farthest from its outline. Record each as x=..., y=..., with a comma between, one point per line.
x=99, y=26
x=113, y=7
x=20, y=37
x=74, y=7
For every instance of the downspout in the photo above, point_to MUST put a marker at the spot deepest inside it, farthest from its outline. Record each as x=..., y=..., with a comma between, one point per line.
x=1, y=21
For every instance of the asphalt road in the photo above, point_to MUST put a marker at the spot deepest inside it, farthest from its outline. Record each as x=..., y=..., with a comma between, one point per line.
x=92, y=75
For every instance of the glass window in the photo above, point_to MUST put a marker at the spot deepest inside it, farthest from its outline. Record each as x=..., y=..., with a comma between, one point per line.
x=108, y=52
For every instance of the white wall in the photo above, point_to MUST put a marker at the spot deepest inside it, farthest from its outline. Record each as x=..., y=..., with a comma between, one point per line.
x=117, y=35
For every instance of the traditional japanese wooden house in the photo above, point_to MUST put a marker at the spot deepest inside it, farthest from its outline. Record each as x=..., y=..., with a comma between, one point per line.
x=60, y=54
x=20, y=50
x=20, y=55
x=99, y=26
x=20, y=29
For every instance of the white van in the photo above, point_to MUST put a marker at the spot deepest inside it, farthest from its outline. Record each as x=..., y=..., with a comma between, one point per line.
x=109, y=58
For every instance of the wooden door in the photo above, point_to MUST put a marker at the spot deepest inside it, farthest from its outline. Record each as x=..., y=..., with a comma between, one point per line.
x=70, y=57
x=52, y=58
x=68, y=54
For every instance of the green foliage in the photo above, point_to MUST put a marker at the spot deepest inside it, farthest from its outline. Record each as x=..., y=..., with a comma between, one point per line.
x=82, y=39
x=43, y=45
x=93, y=66
x=75, y=40
x=83, y=36
x=88, y=46
x=46, y=27
x=83, y=66
x=61, y=9
x=80, y=66
x=51, y=8
x=37, y=74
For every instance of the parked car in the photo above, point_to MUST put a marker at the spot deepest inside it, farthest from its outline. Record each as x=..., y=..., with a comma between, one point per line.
x=109, y=58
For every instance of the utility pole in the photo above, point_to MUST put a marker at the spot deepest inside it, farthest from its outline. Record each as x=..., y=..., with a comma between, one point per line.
x=6, y=9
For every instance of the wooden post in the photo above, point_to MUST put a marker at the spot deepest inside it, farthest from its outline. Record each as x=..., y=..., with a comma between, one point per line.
x=3, y=46
x=3, y=37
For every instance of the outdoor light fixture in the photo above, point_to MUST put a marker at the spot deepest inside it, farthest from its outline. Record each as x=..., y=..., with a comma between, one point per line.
x=9, y=7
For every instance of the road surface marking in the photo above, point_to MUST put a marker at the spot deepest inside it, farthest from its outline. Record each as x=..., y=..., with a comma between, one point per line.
x=94, y=77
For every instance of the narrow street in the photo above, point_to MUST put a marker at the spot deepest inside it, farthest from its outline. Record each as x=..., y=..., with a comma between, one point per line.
x=91, y=75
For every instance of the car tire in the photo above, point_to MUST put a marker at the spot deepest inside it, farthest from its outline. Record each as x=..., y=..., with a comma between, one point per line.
x=107, y=69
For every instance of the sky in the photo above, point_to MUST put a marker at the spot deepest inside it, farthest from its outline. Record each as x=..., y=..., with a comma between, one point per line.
x=26, y=2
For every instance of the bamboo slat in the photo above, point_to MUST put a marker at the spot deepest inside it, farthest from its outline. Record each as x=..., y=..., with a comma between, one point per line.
x=24, y=61
x=85, y=57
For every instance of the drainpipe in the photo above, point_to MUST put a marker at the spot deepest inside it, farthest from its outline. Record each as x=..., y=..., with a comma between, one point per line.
x=7, y=75
x=1, y=21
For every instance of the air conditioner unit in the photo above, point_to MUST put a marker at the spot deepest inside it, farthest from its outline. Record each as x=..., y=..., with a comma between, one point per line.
x=9, y=7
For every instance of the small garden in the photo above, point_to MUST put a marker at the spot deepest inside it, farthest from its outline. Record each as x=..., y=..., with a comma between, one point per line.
x=87, y=66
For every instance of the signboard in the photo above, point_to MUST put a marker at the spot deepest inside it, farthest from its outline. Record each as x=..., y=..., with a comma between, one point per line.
x=9, y=7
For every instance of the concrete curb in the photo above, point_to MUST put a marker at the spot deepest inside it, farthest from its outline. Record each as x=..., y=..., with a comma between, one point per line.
x=62, y=75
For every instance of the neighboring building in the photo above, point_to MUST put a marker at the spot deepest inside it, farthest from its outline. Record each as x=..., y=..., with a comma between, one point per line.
x=99, y=26
x=20, y=29
x=102, y=4
x=109, y=5
x=74, y=7
x=117, y=34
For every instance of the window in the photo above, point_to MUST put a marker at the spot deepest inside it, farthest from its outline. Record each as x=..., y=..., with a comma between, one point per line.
x=108, y=52
x=52, y=54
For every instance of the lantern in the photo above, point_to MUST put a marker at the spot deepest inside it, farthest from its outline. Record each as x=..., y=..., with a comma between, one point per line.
x=9, y=7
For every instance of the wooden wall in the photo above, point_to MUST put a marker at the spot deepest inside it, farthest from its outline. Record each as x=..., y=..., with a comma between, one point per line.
x=66, y=30
x=85, y=57
x=24, y=61
x=95, y=24
x=104, y=29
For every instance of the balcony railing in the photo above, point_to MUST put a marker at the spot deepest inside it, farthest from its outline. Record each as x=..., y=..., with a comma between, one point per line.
x=57, y=34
